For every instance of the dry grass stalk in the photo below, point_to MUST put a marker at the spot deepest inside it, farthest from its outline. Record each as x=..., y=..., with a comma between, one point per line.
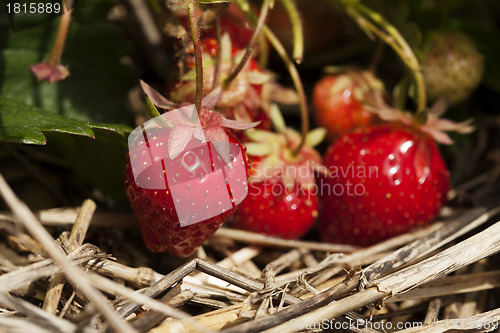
x=475, y=248
x=448, y=232
x=72, y=273
x=139, y=298
x=66, y=217
x=174, y=298
x=452, y=285
x=259, y=239
x=76, y=237
x=473, y=303
x=488, y=319
x=43, y=319
x=216, y=320
x=432, y=311
x=235, y=259
x=140, y=276
x=28, y=274
x=305, y=306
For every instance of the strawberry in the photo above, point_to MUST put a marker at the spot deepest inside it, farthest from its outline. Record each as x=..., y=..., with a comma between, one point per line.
x=282, y=198
x=244, y=98
x=452, y=67
x=184, y=177
x=232, y=22
x=382, y=181
x=338, y=100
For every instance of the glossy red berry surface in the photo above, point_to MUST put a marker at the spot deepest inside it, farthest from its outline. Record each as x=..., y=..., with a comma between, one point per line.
x=382, y=181
x=339, y=101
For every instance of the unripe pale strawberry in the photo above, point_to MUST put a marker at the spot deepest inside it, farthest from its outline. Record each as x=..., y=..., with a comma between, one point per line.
x=453, y=67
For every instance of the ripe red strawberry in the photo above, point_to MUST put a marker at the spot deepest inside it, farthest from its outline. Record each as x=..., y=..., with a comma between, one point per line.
x=452, y=67
x=232, y=22
x=383, y=181
x=339, y=101
x=184, y=179
x=244, y=98
x=282, y=198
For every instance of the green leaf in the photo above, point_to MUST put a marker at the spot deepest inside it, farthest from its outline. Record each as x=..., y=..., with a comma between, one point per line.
x=98, y=84
x=22, y=123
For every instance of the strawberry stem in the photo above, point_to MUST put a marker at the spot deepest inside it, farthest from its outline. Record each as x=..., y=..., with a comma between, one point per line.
x=373, y=23
x=294, y=74
x=263, y=51
x=297, y=82
x=298, y=33
x=249, y=49
x=195, y=37
x=62, y=32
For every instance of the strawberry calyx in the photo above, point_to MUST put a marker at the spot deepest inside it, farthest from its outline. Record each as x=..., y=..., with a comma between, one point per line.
x=251, y=77
x=367, y=87
x=341, y=98
x=205, y=126
x=434, y=126
x=276, y=158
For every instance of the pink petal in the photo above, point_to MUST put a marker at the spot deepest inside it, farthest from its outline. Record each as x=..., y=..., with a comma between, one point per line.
x=220, y=140
x=239, y=125
x=156, y=97
x=439, y=136
x=199, y=134
x=182, y=117
x=179, y=138
x=211, y=100
x=49, y=73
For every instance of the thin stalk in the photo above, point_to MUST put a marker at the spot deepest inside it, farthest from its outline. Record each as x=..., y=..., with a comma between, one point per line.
x=294, y=74
x=218, y=60
x=195, y=37
x=297, y=29
x=263, y=58
x=62, y=32
x=379, y=51
x=297, y=82
x=249, y=49
x=372, y=21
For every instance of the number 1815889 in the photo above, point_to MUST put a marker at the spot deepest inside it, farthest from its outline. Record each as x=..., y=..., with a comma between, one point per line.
x=34, y=8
